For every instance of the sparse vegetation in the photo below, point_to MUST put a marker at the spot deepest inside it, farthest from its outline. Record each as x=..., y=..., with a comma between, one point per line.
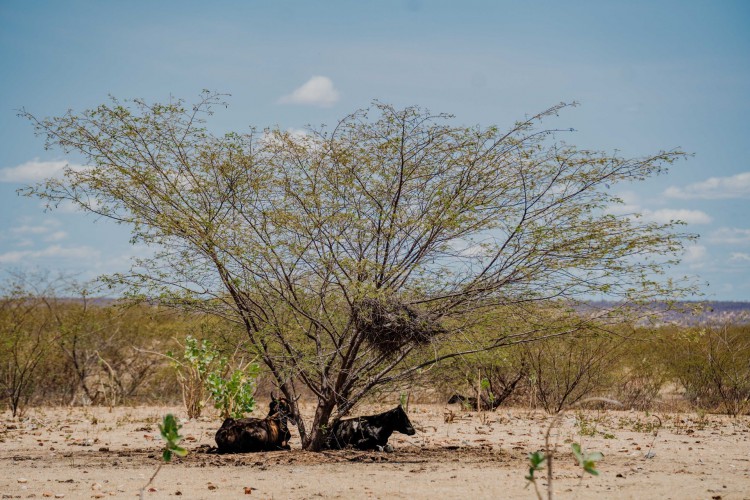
x=86, y=351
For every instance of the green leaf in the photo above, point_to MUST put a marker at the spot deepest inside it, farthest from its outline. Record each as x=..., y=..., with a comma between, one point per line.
x=591, y=470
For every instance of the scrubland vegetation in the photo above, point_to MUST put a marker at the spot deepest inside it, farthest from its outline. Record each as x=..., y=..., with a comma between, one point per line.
x=81, y=351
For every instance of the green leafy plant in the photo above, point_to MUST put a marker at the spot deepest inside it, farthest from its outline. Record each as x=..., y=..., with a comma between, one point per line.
x=233, y=395
x=170, y=433
x=587, y=461
x=199, y=360
x=169, y=430
x=204, y=374
x=536, y=461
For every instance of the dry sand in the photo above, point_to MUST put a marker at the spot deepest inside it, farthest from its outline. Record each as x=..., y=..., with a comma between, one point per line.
x=95, y=453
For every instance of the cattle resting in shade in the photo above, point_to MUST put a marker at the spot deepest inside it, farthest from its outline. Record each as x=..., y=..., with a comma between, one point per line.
x=370, y=432
x=245, y=435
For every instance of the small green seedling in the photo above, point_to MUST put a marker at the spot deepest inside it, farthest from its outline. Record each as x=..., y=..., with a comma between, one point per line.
x=169, y=429
x=170, y=432
x=586, y=460
x=536, y=460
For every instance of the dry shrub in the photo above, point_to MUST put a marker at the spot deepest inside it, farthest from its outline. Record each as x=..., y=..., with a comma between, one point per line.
x=638, y=391
x=639, y=372
x=502, y=375
x=567, y=369
x=713, y=366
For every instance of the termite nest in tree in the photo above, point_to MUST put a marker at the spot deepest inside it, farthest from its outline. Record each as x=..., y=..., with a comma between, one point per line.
x=389, y=324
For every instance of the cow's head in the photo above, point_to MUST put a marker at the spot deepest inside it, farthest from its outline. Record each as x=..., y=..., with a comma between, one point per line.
x=402, y=423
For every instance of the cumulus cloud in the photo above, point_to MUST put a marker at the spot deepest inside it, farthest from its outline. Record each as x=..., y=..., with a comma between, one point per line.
x=666, y=215
x=730, y=235
x=714, y=188
x=631, y=205
x=36, y=170
x=54, y=251
x=694, y=255
x=317, y=91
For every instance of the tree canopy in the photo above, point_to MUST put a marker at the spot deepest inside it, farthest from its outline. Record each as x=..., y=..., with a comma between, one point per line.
x=355, y=255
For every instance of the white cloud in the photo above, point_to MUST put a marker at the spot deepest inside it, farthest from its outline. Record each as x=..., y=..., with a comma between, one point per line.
x=666, y=215
x=623, y=209
x=317, y=91
x=694, y=255
x=56, y=236
x=631, y=206
x=730, y=235
x=739, y=257
x=48, y=229
x=26, y=229
x=735, y=186
x=36, y=170
x=54, y=251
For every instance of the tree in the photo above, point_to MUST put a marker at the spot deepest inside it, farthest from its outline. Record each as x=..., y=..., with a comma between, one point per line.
x=353, y=256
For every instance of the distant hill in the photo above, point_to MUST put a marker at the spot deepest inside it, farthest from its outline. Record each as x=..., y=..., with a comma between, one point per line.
x=692, y=312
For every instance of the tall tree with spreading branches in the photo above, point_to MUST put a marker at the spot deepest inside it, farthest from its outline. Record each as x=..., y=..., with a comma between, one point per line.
x=356, y=256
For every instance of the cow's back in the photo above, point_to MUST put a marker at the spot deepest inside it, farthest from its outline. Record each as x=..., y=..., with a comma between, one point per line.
x=244, y=435
x=344, y=433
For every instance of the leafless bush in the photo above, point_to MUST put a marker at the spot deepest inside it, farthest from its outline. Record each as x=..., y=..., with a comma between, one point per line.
x=568, y=369
x=713, y=366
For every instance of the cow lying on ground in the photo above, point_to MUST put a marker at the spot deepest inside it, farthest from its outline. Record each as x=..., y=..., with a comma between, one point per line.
x=371, y=432
x=245, y=435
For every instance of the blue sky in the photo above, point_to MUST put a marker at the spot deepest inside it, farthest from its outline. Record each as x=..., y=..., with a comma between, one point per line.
x=649, y=76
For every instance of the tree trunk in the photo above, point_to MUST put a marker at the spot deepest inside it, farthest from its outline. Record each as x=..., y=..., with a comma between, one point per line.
x=316, y=438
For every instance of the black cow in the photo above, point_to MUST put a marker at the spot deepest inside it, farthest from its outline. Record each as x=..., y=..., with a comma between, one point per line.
x=245, y=435
x=371, y=432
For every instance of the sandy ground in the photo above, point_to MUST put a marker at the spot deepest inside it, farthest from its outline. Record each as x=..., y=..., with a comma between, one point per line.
x=94, y=453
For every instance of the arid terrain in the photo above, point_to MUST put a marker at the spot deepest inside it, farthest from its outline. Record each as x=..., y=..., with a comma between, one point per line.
x=94, y=453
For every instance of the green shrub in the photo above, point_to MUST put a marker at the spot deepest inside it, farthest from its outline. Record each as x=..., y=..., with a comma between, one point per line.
x=233, y=393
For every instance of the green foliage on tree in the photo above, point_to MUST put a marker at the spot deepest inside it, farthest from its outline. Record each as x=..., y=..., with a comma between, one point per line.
x=354, y=256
